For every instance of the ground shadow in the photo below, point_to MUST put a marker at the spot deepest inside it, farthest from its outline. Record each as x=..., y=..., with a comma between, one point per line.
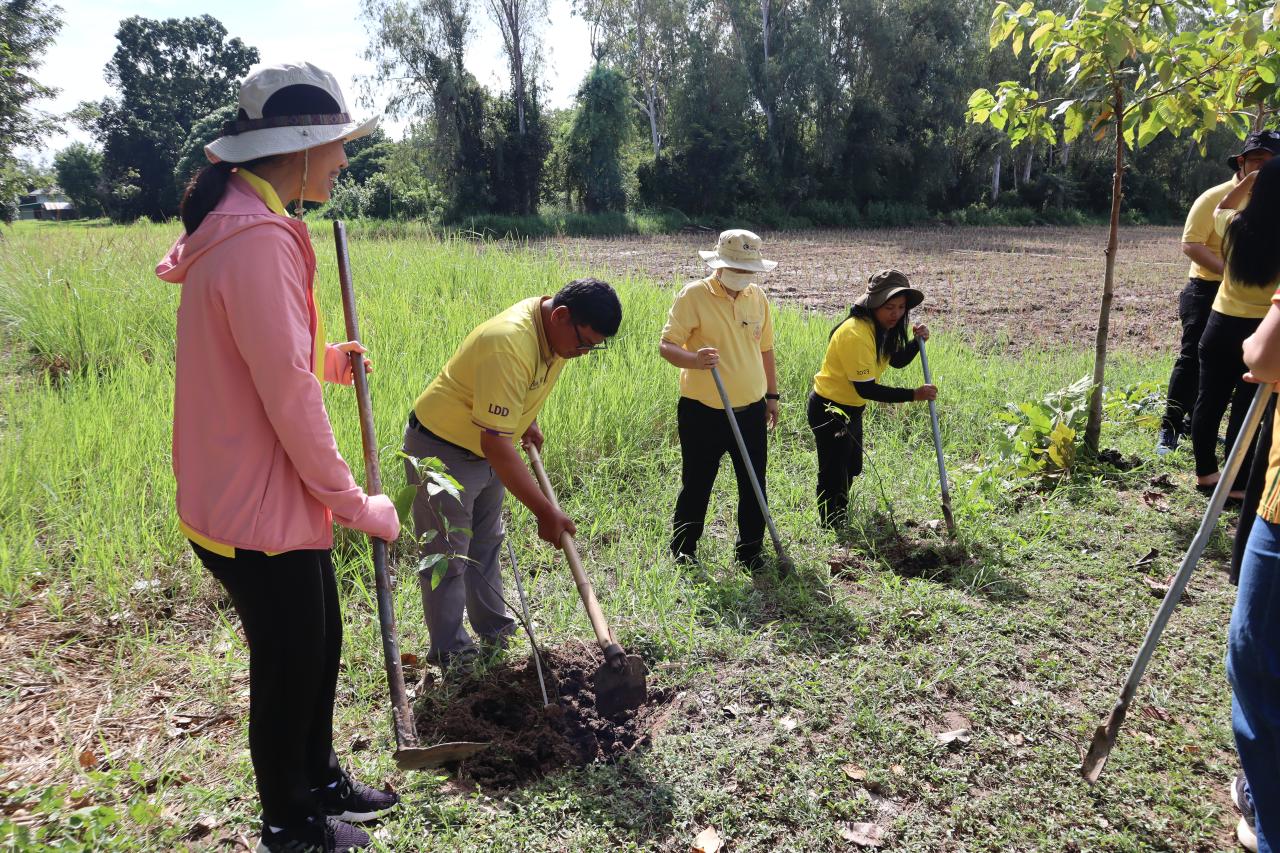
x=924, y=551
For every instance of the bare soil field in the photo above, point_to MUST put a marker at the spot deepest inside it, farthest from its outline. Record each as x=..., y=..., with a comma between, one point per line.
x=1026, y=286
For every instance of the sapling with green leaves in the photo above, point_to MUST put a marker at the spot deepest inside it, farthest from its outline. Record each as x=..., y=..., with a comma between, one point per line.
x=1134, y=69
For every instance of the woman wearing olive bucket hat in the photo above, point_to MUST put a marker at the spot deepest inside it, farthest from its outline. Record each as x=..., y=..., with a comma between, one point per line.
x=260, y=480
x=723, y=321
x=873, y=336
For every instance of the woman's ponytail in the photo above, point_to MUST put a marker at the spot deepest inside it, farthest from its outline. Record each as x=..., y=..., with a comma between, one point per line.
x=203, y=193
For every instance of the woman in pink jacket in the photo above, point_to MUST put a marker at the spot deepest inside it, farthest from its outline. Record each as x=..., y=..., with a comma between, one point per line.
x=260, y=479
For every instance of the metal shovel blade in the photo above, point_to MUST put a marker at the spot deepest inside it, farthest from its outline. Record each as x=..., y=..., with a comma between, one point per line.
x=1104, y=737
x=620, y=688
x=422, y=757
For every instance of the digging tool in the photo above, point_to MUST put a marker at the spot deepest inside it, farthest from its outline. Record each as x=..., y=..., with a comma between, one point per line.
x=785, y=566
x=408, y=755
x=1105, y=736
x=937, y=445
x=620, y=681
x=528, y=626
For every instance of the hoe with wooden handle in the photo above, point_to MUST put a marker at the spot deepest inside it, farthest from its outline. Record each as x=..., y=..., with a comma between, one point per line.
x=620, y=681
x=408, y=755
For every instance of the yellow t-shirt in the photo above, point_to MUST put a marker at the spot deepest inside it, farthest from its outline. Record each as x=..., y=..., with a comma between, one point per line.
x=271, y=199
x=705, y=315
x=1199, y=227
x=1269, y=505
x=1239, y=300
x=496, y=381
x=850, y=358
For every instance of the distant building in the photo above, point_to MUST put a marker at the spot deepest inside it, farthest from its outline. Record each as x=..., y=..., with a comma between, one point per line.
x=48, y=203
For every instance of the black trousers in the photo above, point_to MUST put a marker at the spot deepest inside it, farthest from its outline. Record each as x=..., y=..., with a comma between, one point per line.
x=1221, y=369
x=837, y=432
x=1194, y=305
x=705, y=437
x=288, y=605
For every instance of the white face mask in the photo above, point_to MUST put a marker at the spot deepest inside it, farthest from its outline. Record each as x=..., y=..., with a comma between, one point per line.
x=735, y=281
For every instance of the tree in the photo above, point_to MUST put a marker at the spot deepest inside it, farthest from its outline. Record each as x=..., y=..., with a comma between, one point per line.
x=27, y=28
x=168, y=74
x=418, y=48
x=191, y=156
x=79, y=171
x=594, y=168
x=1134, y=69
x=644, y=38
x=518, y=162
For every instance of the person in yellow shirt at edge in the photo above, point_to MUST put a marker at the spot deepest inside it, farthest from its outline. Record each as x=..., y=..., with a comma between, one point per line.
x=723, y=321
x=487, y=396
x=1202, y=244
x=872, y=337
x=1243, y=300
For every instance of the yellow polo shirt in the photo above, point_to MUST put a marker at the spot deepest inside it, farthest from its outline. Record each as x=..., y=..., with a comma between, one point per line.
x=1239, y=300
x=705, y=315
x=850, y=358
x=271, y=199
x=496, y=381
x=1200, y=228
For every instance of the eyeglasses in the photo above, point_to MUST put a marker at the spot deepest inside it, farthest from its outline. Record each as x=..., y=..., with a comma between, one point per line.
x=586, y=346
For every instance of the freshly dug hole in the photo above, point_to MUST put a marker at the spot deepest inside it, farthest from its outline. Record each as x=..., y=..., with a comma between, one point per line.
x=527, y=741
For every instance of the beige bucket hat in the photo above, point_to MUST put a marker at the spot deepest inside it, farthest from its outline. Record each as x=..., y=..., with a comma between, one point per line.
x=737, y=250
x=886, y=284
x=271, y=120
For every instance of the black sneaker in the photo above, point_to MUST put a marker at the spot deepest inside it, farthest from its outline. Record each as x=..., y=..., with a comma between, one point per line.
x=314, y=836
x=1168, y=441
x=1243, y=799
x=349, y=800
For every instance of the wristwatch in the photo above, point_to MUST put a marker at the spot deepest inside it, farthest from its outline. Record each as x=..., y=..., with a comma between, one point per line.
x=773, y=396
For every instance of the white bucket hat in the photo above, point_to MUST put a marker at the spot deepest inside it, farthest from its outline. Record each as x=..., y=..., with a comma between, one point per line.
x=270, y=123
x=737, y=250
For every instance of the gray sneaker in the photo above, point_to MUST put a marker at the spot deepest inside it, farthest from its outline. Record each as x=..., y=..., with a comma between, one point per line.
x=1243, y=800
x=1168, y=441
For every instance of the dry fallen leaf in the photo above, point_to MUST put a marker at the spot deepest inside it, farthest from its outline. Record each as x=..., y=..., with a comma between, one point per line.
x=359, y=743
x=854, y=772
x=1156, y=713
x=898, y=770
x=1015, y=739
x=88, y=759
x=708, y=841
x=863, y=834
x=408, y=659
x=788, y=723
x=1156, y=501
x=201, y=828
x=1145, y=560
x=731, y=711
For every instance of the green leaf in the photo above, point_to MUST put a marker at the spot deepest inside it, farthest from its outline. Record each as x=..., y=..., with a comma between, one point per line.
x=437, y=564
x=404, y=500
x=1266, y=73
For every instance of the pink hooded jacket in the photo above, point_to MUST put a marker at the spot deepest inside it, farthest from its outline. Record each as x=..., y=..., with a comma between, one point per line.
x=253, y=452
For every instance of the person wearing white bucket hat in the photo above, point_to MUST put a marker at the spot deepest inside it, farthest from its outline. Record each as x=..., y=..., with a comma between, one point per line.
x=260, y=480
x=723, y=321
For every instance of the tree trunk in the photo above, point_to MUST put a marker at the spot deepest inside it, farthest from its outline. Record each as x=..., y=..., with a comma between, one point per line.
x=1026, y=168
x=1064, y=159
x=995, y=177
x=1093, y=428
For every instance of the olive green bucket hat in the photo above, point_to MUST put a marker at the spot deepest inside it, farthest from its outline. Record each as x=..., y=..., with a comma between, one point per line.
x=886, y=284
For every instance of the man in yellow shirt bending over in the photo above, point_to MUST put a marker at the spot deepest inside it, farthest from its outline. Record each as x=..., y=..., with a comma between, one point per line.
x=469, y=417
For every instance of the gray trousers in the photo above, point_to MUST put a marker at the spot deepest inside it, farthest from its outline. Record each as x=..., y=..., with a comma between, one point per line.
x=474, y=578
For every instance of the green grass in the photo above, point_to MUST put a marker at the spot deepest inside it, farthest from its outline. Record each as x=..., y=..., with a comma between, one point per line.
x=1028, y=644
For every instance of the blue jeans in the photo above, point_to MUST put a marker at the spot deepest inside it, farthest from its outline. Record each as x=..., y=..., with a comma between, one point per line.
x=1253, y=665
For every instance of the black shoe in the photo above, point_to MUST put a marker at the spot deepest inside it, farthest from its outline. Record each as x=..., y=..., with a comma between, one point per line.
x=1246, y=831
x=684, y=558
x=349, y=800
x=1168, y=441
x=314, y=836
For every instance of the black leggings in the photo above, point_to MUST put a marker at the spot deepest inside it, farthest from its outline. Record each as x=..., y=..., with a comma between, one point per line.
x=838, y=435
x=288, y=605
x=1221, y=369
x=705, y=437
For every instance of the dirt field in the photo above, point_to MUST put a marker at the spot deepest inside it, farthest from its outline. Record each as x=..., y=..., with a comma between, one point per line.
x=1031, y=285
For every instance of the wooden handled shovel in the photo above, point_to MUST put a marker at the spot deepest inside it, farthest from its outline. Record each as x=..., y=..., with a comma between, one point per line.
x=1104, y=738
x=408, y=755
x=620, y=682
x=937, y=445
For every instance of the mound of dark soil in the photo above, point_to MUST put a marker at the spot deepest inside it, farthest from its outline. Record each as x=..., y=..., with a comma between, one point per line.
x=504, y=708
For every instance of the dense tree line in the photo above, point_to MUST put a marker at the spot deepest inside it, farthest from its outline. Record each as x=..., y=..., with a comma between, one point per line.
x=835, y=112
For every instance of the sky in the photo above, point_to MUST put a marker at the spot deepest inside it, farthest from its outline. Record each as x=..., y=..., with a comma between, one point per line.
x=328, y=33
